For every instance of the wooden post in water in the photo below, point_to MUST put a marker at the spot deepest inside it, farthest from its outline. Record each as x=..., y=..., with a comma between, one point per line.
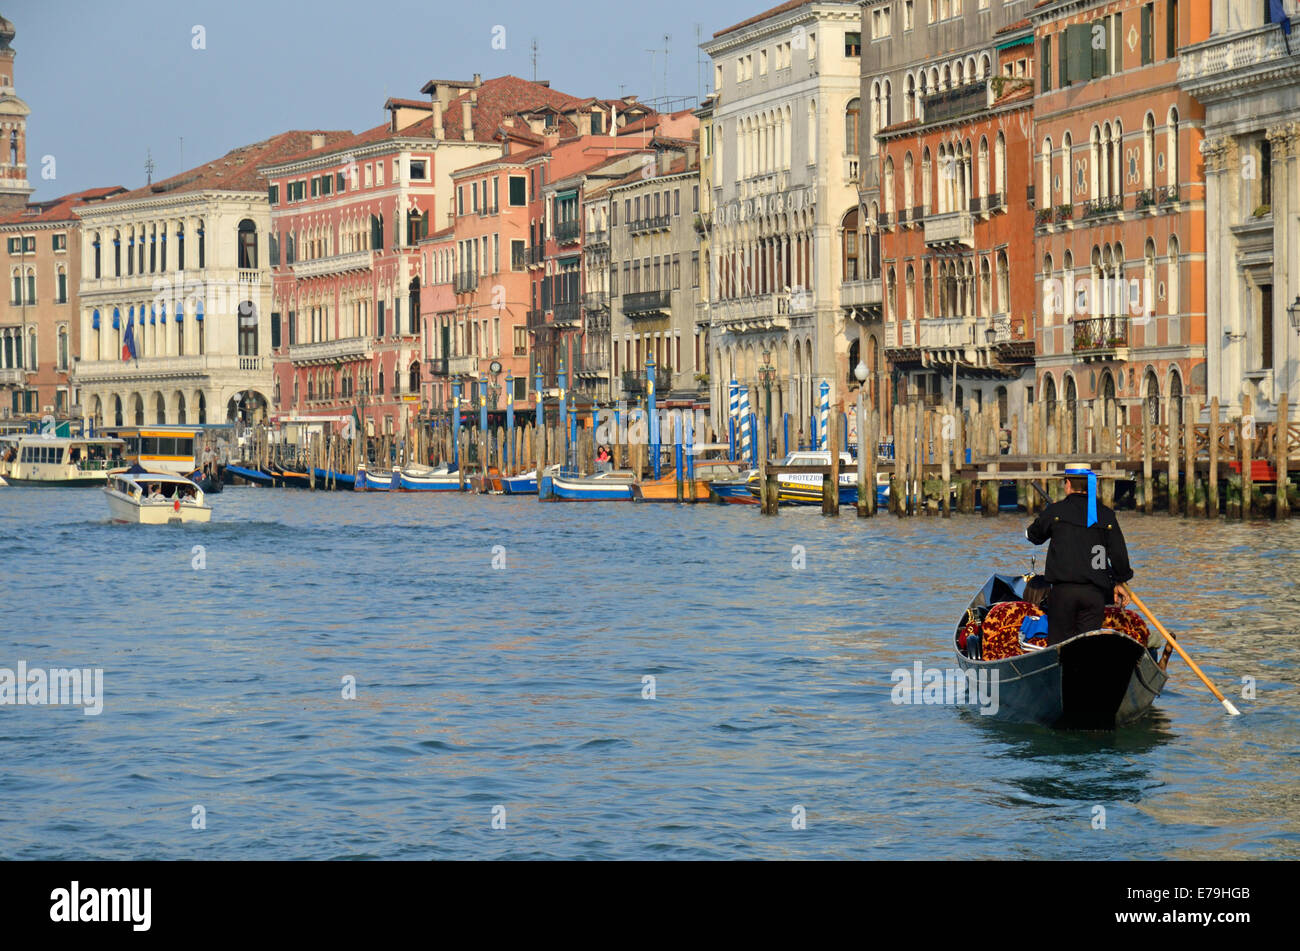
x=1171, y=453
x=831, y=484
x=990, y=487
x=1283, y=509
x=1190, y=412
x=1212, y=484
x=895, y=480
x=1246, y=432
x=947, y=432
x=873, y=441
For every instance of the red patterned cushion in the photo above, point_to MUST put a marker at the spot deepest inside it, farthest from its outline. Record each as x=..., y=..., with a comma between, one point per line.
x=1001, y=629
x=1127, y=622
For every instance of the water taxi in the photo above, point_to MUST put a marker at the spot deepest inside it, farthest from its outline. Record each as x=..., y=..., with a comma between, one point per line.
x=797, y=488
x=138, y=496
x=55, y=461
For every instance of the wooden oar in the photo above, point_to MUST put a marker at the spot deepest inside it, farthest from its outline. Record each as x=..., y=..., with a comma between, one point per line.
x=1227, y=704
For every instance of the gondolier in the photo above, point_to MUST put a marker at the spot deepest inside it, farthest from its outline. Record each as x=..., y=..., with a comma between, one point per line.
x=1086, y=558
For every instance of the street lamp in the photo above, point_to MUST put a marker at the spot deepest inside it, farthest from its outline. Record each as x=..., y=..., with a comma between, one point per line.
x=766, y=373
x=1293, y=312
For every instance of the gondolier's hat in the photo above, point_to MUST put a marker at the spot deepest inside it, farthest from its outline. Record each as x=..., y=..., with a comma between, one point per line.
x=1078, y=469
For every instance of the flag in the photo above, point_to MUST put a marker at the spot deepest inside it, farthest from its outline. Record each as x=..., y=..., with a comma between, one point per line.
x=128, y=341
x=1277, y=14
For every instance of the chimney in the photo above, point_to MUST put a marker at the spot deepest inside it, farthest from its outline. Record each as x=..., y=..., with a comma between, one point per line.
x=691, y=156
x=467, y=120
x=317, y=140
x=437, y=119
x=478, y=80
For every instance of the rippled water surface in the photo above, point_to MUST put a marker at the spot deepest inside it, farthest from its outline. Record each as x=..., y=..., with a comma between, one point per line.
x=521, y=687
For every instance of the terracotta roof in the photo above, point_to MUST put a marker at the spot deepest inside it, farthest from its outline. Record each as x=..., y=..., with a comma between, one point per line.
x=237, y=170
x=497, y=99
x=676, y=167
x=59, y=209
x=775, y=11
x=424, y=104
x=1014, y=27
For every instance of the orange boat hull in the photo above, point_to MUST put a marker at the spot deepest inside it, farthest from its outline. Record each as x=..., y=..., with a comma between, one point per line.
x=665, y=490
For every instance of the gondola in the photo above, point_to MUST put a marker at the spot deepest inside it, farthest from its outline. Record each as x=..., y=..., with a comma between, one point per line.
x=1098, y=680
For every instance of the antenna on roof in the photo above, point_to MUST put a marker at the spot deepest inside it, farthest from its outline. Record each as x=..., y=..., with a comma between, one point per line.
x=666, y=39
x=534, y=57
x=699, y=87
x=148, y=166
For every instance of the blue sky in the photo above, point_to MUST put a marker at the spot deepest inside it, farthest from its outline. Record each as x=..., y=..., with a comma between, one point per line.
x=107, y=82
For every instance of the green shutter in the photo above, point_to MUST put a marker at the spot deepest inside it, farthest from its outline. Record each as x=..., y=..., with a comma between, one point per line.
x=1079, y=40
x=1146, y=34
x=1063, y=60
x=1099, y=39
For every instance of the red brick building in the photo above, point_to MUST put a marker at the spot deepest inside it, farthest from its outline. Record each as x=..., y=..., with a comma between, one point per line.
x=956, y=244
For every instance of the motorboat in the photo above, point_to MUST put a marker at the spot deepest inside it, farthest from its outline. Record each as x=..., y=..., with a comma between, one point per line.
x=137, y=495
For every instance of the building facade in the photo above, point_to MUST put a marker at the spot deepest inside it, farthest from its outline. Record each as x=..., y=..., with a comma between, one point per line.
x=956, y=221
x=784, y=171
x=655, y=279
x=1248, y=79
x=40, y=329
x=176, y=295
x=937, y=278
x=14, y=185
x=1120, y=236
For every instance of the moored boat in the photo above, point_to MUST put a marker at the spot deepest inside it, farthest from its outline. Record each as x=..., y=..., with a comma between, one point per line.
x=707, y=471
x=60, y=461
x=799, y=488
x=372, y=480
x=419, y=479
x=525, y=483
x=136, y=495
x=1098, y=680
x=613, y=486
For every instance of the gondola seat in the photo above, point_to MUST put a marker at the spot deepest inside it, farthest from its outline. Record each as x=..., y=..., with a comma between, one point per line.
x=1000, y=632
x=1127, y=622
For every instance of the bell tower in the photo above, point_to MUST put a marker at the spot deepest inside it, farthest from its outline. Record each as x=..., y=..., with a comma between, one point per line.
x=14, y=187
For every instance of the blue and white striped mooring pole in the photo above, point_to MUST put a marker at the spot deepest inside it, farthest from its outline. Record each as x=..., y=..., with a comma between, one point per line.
x=746, y=432
x=824, y=417
x=455, y=424
x=539, y=414
x=564, y=410
x=654, y=417
x=510, y=423
x=732, y=415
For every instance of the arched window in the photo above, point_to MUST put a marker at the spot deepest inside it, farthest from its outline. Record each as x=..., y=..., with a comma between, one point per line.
x=851, y=115
x=927, y=289
x=1004, y=283
x=1067, y=175
x=926, y=186
x=1173, y=282
x=1051, y=292
x=413, y=299
x=1171, y=153
x=909, y=192
x=984, y=167
x=986, y=287
x=892, y=293
x=1149, y=278
x=248, y=329
x=1000, y=164
x=1045, y=161
x=413, y=381
x=909, y=99
x=199, y=230
x=247, y=244
x=889, y=187
x=850, y=249
x=13, y=147
x=1071, y=415
x=909, y=290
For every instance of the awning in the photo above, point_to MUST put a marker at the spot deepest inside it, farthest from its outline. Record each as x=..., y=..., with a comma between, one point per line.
x=180, y=313
x=198, y=311
x=153, y=315
x=94, y=320
x=117, y=318
x=1021, y=41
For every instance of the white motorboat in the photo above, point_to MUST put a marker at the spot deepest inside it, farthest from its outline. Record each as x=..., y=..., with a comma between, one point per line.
x=154, y=498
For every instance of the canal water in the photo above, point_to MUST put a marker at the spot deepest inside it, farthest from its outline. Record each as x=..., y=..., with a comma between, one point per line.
x=501, y=650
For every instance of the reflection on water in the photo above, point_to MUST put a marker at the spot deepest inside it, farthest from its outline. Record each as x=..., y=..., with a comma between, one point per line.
x=522, y=687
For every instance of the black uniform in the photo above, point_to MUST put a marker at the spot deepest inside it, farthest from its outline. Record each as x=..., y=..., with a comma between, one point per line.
x=1083, y=564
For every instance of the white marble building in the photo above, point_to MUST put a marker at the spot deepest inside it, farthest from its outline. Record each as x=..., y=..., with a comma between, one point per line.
x=784, y=171
x=1249, y=82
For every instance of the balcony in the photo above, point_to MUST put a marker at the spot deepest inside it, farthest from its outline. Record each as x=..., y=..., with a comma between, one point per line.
x=463, y=282
x=536, y=256
x=593, y=364
x=952, y=228
x=1168, y=195
x=596, y=240
x=12, y=377
x=330, y=351
x=647, y=225
x=634, y=381
x=437, y=366
x=249, y=276
x=486, y=210
x=852, y=164
x=159, y=368
x=567, y=232
x=334, y=264
x=1042, y=217
x=1097, y=207
x=855, y=294
x=595, y=300
x=758, y=312
x=567, y=314
x=959, y=101
x=536, y=318
x=462, y=366
x=1101, y=338
x=1145, y=199
x=916, y=215
x=647, y=304
x=1218, y=65
x=995, y=202
x=882, y=219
